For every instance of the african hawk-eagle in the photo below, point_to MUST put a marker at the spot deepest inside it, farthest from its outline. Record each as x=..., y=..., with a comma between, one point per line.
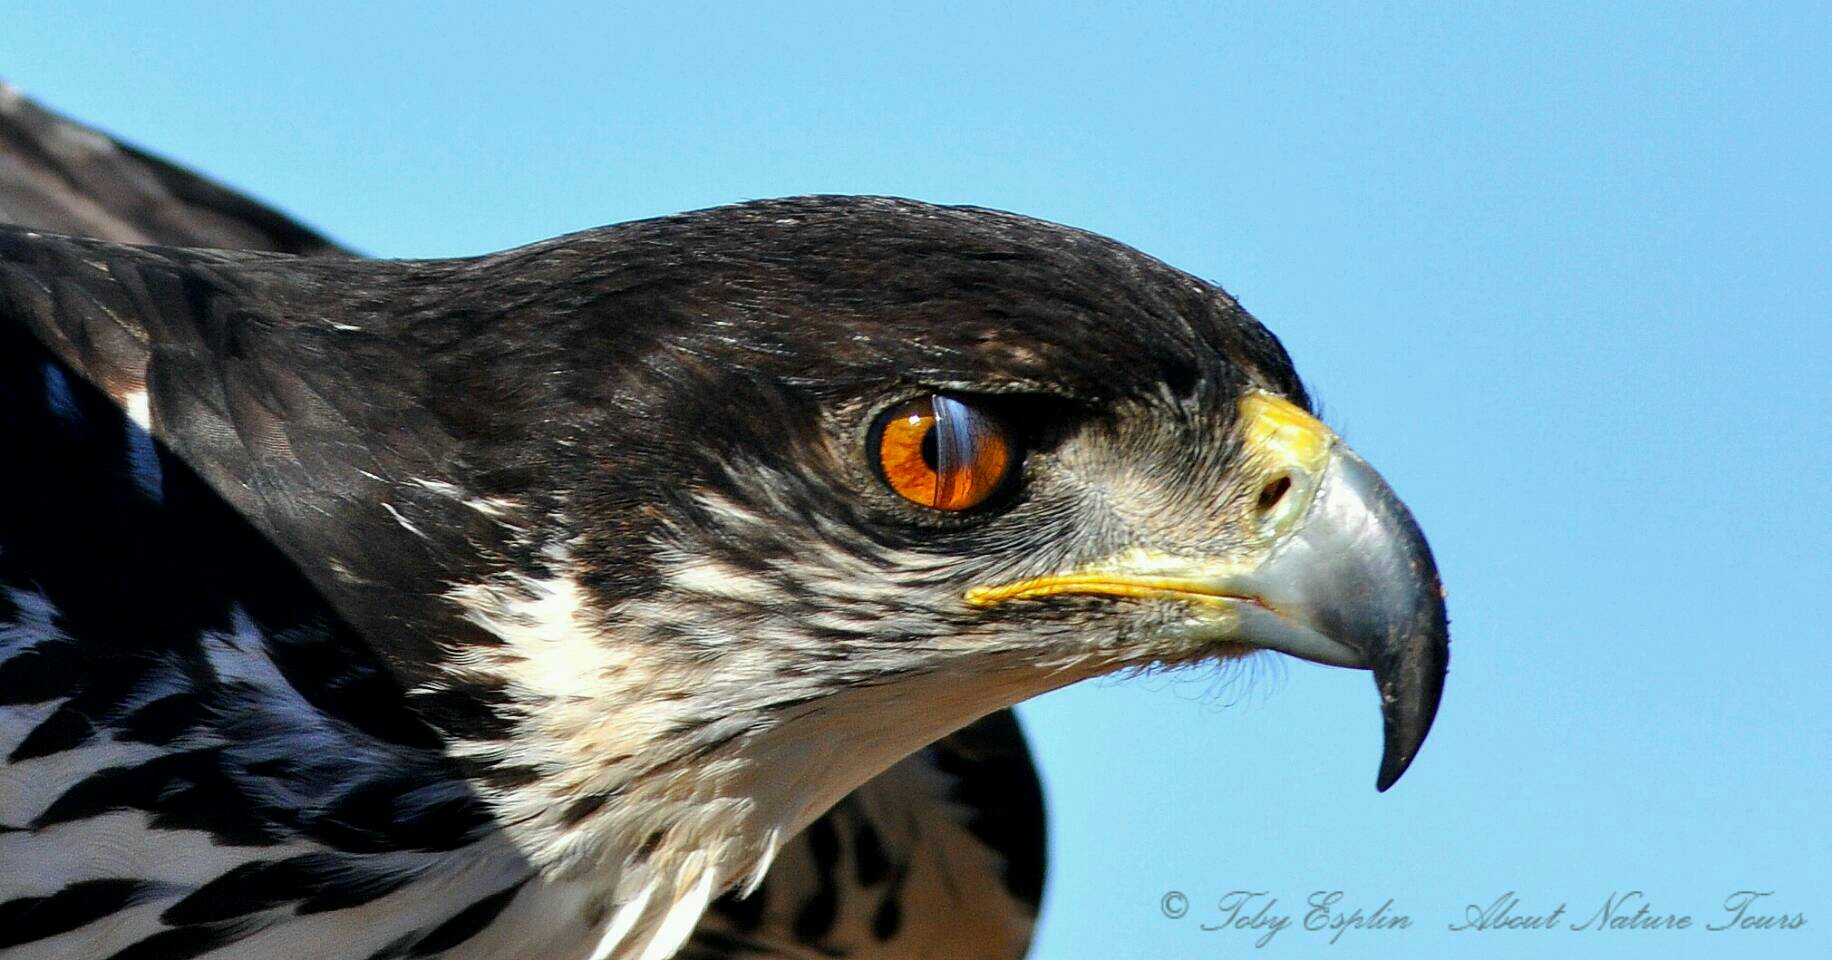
x=525, y=605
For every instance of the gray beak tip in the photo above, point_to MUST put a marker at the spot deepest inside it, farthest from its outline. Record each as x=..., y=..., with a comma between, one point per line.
x=1410, y=677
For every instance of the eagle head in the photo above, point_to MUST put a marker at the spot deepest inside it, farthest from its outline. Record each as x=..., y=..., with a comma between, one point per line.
x=677, y=531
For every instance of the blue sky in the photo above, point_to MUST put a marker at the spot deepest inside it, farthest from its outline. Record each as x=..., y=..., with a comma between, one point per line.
x=1561, y=273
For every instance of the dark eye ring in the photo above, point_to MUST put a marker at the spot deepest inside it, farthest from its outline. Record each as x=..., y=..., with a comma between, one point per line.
x=944, y=451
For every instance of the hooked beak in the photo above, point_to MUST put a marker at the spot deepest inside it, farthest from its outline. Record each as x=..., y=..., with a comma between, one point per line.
x=1343, y=576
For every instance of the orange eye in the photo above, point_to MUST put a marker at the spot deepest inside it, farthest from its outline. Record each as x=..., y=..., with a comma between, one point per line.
x=943, y=453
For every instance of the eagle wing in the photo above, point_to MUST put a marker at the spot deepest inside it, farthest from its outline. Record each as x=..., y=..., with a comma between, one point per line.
x=942, y=855
x=63, y=177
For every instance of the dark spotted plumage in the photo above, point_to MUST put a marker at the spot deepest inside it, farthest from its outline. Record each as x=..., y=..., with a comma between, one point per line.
x=885, y=873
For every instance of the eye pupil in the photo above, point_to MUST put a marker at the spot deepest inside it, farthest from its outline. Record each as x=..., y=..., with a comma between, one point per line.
x=944, y=452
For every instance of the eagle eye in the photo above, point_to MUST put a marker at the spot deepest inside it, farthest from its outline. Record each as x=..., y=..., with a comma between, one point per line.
x=943, y=451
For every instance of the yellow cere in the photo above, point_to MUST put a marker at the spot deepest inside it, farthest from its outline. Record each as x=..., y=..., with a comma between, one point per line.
x=1278, y=431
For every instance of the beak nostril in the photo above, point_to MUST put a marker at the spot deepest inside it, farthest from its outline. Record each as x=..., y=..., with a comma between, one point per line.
x=1272, y=493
